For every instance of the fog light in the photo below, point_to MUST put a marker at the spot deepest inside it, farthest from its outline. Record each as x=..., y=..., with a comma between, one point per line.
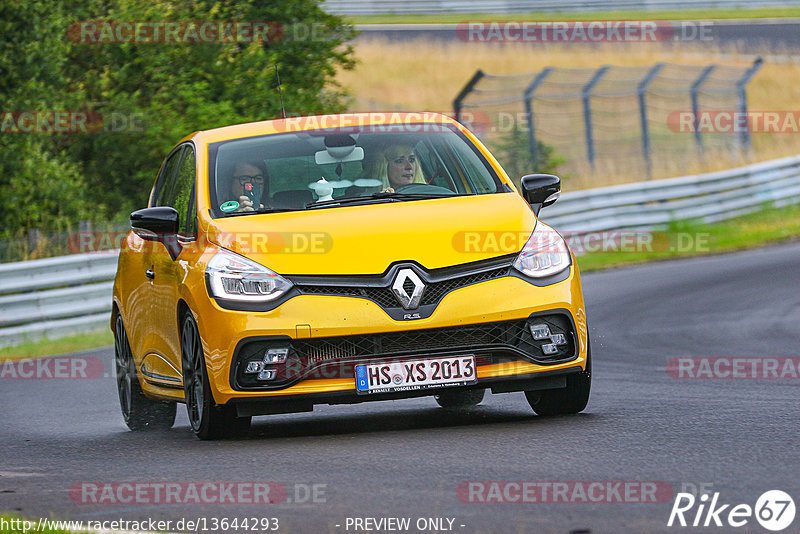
x=540, y=331
x=266, y=374
x=276, y=356
x=559, y=339
x=548, y=349
x=253, y=367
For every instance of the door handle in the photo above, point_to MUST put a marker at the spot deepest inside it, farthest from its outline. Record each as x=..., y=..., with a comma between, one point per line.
x=149, y=273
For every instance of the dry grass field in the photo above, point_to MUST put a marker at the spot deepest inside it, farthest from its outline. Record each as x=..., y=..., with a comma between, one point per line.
x=426, y=75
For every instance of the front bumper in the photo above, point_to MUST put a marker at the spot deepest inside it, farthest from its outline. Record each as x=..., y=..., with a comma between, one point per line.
x=329, y=321
x=542, y=380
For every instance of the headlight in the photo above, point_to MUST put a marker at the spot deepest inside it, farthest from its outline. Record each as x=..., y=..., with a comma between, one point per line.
x=544, y=254
x=234, y=277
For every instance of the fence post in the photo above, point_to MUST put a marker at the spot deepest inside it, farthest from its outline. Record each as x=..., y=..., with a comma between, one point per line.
x=741, y=89
x=698, y=136
x=464, y=92
x=640, y=90
x=34, y=236
x=586, y=94
x=528, y=98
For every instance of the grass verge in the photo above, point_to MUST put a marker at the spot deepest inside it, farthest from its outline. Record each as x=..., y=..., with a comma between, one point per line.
x=64, y=345
x=689, y=14
x=687, y=238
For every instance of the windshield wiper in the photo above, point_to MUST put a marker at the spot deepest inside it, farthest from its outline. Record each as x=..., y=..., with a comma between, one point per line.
x=258, y=211
x=393, y=197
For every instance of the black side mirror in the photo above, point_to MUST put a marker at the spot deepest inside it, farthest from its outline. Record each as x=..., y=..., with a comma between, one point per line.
x=540, y=190
x=158, y=224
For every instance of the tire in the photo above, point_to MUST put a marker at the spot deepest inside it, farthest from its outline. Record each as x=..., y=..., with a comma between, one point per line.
x=209, y=420
x=569, y=400
x=139, y=412
x=460, y=398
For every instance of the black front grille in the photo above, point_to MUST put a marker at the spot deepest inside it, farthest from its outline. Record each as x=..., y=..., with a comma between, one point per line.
x=411, y=341
x=434, y=292
x=380, y=295
x=383, y=296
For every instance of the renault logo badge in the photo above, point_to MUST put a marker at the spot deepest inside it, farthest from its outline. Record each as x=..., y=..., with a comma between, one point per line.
x=409, y=302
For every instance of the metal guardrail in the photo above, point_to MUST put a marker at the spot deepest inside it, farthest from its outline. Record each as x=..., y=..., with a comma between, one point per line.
x=383, y=7
x=55, y=297
x=709, y=197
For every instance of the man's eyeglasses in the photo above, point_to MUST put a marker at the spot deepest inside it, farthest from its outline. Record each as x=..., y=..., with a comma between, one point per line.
x=243, y=179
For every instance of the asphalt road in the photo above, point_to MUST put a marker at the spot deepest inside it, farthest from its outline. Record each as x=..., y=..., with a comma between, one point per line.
x=407, y=458
x=776, y=36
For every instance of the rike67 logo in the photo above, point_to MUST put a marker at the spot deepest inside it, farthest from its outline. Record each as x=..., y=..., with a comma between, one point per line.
x=774, y=510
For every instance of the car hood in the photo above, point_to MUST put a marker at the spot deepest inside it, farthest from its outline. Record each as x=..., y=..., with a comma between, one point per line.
x=367, y=239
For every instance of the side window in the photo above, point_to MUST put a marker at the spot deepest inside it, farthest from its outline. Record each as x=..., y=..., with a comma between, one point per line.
x=166, y=182
x=177, y=188
x=184, y=192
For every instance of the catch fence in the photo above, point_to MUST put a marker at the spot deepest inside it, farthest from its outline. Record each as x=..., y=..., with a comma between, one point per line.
x=622, y=117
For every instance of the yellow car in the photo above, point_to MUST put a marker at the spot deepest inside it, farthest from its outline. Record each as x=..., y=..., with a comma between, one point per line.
x=339, y=259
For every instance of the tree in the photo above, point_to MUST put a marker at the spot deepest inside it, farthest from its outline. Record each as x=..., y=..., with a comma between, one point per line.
x=149, y=94
x=41, y=185
x=514, y=154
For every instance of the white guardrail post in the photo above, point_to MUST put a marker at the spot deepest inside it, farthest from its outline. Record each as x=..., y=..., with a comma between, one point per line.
x=55, y=297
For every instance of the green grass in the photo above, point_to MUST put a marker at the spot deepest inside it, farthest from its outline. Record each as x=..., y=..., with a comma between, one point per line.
x=771, y=225
x=64, y=345
x=691, y=14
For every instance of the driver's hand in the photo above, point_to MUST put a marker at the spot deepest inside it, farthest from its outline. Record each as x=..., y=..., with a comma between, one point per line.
x=388, y=190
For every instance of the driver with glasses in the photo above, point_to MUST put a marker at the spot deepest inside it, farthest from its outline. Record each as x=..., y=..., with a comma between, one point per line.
x=249, y=185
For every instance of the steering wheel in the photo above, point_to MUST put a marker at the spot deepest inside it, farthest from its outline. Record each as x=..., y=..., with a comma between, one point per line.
x=425, y=189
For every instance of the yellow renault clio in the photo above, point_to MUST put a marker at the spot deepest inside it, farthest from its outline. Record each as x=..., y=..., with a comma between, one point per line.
x=340, y=259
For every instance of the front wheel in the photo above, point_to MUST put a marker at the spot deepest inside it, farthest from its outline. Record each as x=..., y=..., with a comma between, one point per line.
x=208, y=420
x=569, y=400
x=139, y=412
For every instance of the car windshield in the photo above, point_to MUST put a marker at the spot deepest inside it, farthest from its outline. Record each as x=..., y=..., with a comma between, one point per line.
x=316, y=169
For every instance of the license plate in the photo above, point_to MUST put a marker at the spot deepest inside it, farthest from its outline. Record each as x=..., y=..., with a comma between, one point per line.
x=415, y=374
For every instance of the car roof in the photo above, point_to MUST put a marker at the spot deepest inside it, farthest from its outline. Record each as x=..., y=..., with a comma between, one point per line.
x=316, y=122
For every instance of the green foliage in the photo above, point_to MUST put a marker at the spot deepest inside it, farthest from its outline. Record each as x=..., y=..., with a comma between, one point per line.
x=513, y=152
x=150, y=95
x=41, y=185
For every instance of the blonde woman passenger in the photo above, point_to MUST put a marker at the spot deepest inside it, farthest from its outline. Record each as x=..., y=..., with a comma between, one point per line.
x=400, y=167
